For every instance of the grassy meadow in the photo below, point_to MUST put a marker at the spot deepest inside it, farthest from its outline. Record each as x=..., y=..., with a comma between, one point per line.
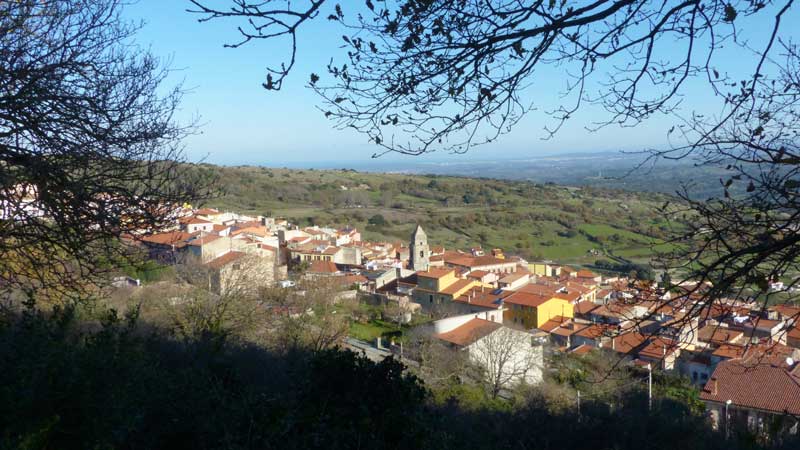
x=536, y=221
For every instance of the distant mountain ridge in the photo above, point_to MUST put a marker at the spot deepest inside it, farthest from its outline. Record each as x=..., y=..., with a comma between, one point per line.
x=615, y=170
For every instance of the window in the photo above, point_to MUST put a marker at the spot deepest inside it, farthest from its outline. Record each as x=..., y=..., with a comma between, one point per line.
x=421, y=253
x=237, y=266
x=431, y=298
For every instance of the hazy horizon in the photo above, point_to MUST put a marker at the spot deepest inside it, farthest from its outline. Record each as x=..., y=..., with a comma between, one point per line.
x=244, y=124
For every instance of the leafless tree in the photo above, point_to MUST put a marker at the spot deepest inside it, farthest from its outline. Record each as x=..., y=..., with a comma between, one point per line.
x=89, y=147
x=506, y=357
x=316, y=316
x=439, y=364
x=189, y=307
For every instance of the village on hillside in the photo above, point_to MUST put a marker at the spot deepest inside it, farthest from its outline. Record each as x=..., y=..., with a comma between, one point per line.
x=475, y=300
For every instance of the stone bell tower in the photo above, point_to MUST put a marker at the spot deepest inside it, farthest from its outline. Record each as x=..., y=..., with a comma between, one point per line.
x=419, y=252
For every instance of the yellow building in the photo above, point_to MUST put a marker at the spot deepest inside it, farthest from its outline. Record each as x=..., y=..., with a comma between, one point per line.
x=544, y=269
x=439, y=286
x=532, y=310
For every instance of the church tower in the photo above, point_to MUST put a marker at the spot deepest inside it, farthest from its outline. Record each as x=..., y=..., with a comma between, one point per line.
x=419, y=252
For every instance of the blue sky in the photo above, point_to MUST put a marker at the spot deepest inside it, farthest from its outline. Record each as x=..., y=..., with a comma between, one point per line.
x=244, y=124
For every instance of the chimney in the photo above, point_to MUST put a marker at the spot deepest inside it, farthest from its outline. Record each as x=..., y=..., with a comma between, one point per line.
x=713, y=386
x=613, y=344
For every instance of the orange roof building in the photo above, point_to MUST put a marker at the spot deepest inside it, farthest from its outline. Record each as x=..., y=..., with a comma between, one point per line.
x=470, y=332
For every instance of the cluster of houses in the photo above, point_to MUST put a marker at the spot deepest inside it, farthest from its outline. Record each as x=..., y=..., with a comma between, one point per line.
x=744, y=359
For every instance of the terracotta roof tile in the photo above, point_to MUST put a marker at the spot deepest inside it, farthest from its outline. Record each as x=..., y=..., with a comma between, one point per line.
x=526, y=299
x=718, y=335
x=582, y=349
x=761, y=386
x=456, y=286
x=225, y=259
x=320, y=266
x=434, y=272
x=168, y=238
x=478, y=274
x=203, y=240
x=486, y=298
x=585, y=307
x=196, y=221
x=470, y=332
x=729, y=351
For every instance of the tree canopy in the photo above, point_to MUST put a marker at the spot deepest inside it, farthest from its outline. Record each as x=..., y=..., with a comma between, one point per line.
x=89, y=147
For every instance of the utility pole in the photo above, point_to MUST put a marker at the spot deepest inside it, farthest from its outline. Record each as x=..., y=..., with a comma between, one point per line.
x=727, y=418
x=579, y=405
x=649, y=387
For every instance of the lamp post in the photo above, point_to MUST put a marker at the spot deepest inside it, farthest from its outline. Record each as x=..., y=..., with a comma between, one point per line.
x=727, y=418
x=649, y=387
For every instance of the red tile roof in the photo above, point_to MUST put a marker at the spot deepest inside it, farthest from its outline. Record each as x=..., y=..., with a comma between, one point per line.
x=267, y=247
x=259, y=230
x=196, y=220
x=718, y=335
x=658, y=348
x=466, y=260
x=485, y=298
x=552, y=324
x=584, y=307
x=582, y=349
x=761, y=386
x=470, y=332
x=596, y=331
x=729, y=351
x=434, y=273
x=225, y=259
x=513, y=277
x=794, y=333
x=320, y=266
x=478, y=274
x=587, y=274
x=539, y=289
x=526, y=299
x=168, y=238
x=456, y=286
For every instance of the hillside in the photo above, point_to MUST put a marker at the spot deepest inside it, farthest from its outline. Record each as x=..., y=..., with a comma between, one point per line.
x=533, y=220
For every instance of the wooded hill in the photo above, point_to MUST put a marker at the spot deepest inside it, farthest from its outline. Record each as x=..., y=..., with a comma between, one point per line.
x=533, y=220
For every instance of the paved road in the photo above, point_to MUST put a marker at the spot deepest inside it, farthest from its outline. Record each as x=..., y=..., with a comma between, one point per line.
x=368, y=349
x=374, y=354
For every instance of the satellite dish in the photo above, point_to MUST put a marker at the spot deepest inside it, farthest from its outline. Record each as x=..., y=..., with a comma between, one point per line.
x=789, y=361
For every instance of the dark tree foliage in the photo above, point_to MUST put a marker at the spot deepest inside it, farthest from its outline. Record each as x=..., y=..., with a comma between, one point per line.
x=425, y=75
x=89, y=148
x=68, y=384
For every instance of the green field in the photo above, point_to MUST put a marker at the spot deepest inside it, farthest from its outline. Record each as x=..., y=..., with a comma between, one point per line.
x=536, y=221
x=373, y=329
